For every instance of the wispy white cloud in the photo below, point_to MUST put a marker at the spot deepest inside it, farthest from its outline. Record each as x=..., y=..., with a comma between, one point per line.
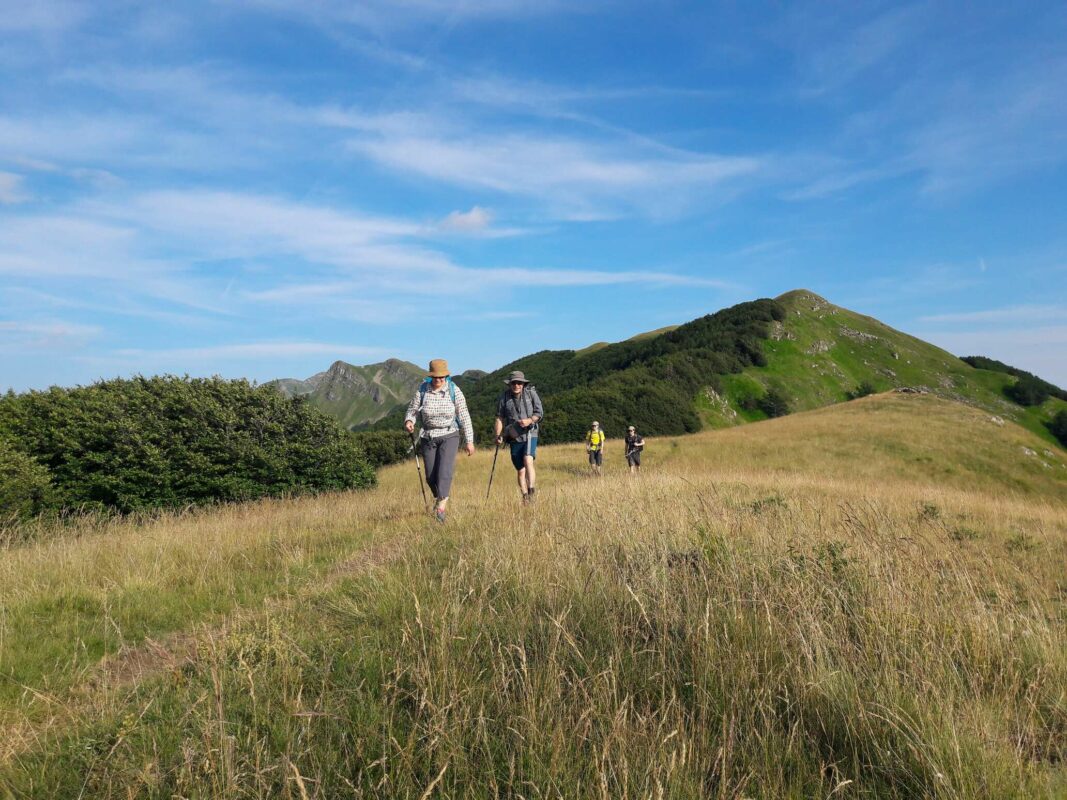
x=837, y=49
x=227, y=255
x=211, y=118
x=43, y=16
x=568, y=174
x=477, y=219
x=842, y=179
x=18, y=335
x=385, y=253
x=1019, y=313
x=500, y=315
x=12, y=190
x=79, y=252
x=252, y=350
x=388, y=15
x=986, y=132
x=1041, y=350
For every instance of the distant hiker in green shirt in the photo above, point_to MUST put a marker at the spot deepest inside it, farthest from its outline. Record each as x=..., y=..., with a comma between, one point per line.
x=634, y=445
x=594, y=446
x=442, y=411
x=518, y=412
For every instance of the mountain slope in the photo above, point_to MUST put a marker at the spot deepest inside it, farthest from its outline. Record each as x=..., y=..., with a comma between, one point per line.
x=354, y=395
x=734, y=365
x=820, y=352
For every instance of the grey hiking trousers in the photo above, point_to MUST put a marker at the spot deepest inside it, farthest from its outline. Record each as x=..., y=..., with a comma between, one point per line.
x=439, y=456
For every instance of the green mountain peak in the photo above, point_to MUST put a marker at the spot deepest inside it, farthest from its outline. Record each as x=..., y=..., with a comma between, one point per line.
x=356, y=395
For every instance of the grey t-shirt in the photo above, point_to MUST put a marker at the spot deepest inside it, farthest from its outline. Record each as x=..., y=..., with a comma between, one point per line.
x=510, y=409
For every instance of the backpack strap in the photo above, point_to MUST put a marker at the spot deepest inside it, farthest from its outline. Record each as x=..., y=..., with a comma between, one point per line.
x=425, y=387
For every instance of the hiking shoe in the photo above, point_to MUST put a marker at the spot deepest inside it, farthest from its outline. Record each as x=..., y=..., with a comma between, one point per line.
x=525, y=499
x=439, y=515
x=533, y=493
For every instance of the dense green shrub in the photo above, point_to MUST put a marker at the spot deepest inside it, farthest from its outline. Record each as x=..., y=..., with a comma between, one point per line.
x=25, y=486
x=1058, y=426
x=158, y=442
x=748, y=401
x=774, y=403
x=384, y=447
x=1028, y=391
x=864, y=389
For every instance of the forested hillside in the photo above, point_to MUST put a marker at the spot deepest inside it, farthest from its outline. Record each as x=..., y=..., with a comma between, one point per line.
x=647, y=382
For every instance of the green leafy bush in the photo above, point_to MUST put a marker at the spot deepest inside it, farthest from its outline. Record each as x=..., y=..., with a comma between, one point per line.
x=1028, y=391
x=774, y=404
x=167, y=442
x=863, y=390
x=1058, y=426
x=25, y=485
x=384, y=447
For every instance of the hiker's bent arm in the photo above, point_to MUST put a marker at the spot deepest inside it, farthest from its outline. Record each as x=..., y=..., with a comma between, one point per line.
x=464, y=418
x=413, y=409
x=498, y=427
x=538, y=409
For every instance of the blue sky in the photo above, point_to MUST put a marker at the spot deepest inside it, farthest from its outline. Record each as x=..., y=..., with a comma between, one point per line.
x=255, y=188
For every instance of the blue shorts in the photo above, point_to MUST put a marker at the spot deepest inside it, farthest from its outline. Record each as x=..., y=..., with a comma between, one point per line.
x=518, y=452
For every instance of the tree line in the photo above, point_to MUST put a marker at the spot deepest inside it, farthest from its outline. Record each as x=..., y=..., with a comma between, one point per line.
x=1028, y=390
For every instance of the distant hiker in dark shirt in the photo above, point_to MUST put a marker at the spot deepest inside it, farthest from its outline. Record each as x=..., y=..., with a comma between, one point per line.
x=518, y=412
x=442, y=411
x=594, y=446
x=634, y=445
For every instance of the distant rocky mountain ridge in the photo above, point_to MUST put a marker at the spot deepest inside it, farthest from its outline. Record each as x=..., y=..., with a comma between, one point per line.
x=360, y=395
x=356, y=395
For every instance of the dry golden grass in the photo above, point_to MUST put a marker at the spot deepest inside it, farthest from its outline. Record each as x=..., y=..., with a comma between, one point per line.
x=842, y=603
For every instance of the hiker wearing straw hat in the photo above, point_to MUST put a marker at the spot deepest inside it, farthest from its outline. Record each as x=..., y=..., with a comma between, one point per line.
x=442, y=412
x=518, y=414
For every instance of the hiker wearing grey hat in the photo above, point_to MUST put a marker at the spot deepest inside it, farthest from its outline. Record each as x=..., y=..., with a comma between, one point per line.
x=518, y=414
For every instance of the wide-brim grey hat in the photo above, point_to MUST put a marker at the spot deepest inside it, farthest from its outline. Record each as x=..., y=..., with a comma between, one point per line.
x=517, y=375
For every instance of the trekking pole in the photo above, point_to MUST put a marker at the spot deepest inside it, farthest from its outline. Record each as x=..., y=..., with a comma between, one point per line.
x=492, y=472
x=418, y=467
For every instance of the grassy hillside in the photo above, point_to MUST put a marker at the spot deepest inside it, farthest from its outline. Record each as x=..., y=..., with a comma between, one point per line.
x=862, y=601
x=820, y=351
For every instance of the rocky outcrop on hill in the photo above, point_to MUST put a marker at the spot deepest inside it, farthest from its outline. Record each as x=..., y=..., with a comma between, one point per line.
x=357, y=395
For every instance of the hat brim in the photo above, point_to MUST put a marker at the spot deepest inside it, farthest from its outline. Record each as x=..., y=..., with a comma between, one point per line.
x=438, y=374
x=508, y=382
